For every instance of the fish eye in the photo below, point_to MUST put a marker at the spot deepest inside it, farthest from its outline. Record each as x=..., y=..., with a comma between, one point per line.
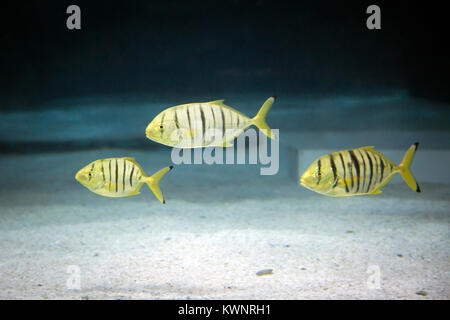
x=90, y=174
x=161, y=126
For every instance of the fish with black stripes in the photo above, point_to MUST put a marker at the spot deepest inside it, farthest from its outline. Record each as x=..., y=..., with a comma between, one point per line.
x=208, y=124
x=119, y=177
x=357, y=172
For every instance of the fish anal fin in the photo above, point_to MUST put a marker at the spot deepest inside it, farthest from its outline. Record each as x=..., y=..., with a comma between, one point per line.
x=227, y=144
x=134, y=193
x=377, y=191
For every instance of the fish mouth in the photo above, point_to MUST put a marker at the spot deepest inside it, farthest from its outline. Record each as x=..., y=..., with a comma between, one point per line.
x=302, y=182
x=79, y=177
x=148, y=133
x=305, y=182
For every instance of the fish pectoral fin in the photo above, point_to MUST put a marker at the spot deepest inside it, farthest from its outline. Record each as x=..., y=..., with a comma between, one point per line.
x=187, y=134
x=341, y=183
x=348, y=181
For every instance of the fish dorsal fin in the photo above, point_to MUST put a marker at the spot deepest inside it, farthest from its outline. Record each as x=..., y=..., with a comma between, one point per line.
x=135, y=163
x=219, y=102
x=368, y=148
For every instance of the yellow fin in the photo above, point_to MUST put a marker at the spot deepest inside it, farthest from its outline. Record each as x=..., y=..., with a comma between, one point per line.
x=377, y=191
x=153, y=182
x=260, y=119
x=135, y=163
x=227, y=144
x=135, y=192
x=404, y=168
x=368, y=148
x=219, y=102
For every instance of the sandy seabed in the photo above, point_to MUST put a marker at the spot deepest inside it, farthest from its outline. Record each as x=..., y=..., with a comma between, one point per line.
x=221, y=225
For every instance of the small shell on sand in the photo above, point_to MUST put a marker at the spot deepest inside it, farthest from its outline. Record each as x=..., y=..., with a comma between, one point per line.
x=264, y=272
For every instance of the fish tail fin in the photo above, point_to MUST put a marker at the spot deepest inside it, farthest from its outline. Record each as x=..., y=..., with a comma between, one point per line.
x=405, y=172
x=260, y=119
x=153, y=182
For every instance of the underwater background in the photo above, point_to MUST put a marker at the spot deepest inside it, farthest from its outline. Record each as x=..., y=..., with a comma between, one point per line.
x=69, y=97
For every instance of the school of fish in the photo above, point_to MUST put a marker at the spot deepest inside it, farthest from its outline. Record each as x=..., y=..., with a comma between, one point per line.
x=360, y=171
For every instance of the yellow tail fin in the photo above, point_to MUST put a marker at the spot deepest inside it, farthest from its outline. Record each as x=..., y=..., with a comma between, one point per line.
x=260, y=119
x=153, y=182
x=404, y=168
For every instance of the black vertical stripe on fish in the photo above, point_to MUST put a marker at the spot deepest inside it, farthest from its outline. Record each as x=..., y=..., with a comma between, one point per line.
x=371, y=171
x=335, y=184
x=319, y=174
x=343, y=167
x=223, y=123
x=238, y=121
x=214, y=117
x=356, y=163
x=350, y=173
x=117, y=175
x=333, y=167
x=103, y=171
x=109, y=188
x=177, y=124
x=189, y=119
x=382, y=169
x=213, y=137
x=364, y=170
x=123, y=176
x=202, y=116
x=131, y=174
x=375, y=177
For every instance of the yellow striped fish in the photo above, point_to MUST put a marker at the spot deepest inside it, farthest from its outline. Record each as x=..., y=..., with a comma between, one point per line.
x=208, y=124
x=119, y=177
x=356, y=172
